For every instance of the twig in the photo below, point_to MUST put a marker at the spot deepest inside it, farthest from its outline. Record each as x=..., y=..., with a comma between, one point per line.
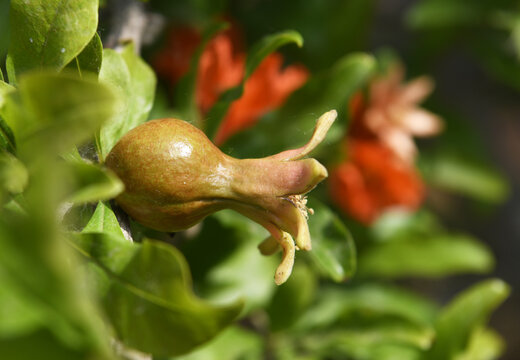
x=132, y=22
x=123, y=220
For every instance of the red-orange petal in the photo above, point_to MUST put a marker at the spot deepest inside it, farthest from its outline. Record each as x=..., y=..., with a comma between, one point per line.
x=266, y=89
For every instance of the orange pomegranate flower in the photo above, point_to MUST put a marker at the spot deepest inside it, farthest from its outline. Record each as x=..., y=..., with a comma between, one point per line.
x=392, y=115
x=373, y=180
x=221, y=67
x=174, y=60
x=267, y=89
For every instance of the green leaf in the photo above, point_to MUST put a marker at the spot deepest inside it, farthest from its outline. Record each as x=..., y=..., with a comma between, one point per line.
x=292, y=298
x=484, y=344
x=185, y=91
x=397, y=224
x=9, y=66
x=7, y=141
x=92, y=183
x=464, y=315
x=370, y=344
x=111, y=249
x=330, y=29
x=49, y=33
x=5, y=88
x=343, y=306
x=20, y=313
x=470, y=178
x=333, y=250
x=150, y=302
x=90, y=59
x=226, y=263
x=104, y=221
x=255, y=56
x=44, y=122
x=295, y=120
x=392, y=350
x=232, y=343
x=270, y=44
x=444, y=13
x=134, y=82
x=370, y=321
x=433, y=256
x=41, y=344
x=47, y=311
x=13, y=174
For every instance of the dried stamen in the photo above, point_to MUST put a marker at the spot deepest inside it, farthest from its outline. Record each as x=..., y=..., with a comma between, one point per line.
x=300, y=202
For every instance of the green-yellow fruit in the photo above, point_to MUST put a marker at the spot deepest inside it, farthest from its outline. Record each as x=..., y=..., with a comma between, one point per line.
x=175, y=176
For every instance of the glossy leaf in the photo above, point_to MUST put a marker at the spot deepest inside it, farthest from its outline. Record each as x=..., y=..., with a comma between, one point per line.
x=333, y=250
x=371, y=344
x=7, y=141
x=5, y=88
x=104, y=221
x=433, y=256
x=9, y=67
x=269, y=44
x=49, y=33
x=392, y=350
x=13, y=174
x=370, y=321
x=41, y=120
x=134, y=82
x=292, y=298
x=256, y=54
x=92, y=183
x=484, y=344
x=149, y=300
x=47, y=311
x=464, y=315
x=398, y=224
x=476, y=180
x=232, y=343
x=102, y=236
x=325, y=91
x=226, y=262
x=90, y=59
x=337, y=305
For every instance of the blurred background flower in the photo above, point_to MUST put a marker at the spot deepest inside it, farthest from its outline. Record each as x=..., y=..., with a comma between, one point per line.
x=222, y=67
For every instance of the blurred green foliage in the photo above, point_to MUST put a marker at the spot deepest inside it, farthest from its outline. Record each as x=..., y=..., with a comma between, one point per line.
x=134, y=81
x=75, y=287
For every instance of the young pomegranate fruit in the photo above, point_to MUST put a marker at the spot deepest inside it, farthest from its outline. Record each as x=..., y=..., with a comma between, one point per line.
x=174, y=177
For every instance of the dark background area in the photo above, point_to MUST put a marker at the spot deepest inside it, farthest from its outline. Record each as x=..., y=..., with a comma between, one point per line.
x=494, y=112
